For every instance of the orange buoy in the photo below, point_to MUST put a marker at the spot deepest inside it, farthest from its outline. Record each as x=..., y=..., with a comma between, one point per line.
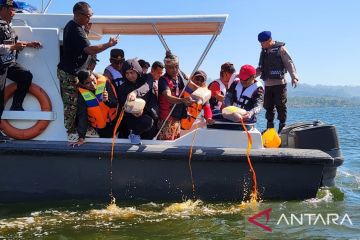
x=40, y=125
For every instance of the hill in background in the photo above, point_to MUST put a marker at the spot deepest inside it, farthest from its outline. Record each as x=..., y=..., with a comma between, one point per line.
x=306, y=90
x=322, y=95
x=306, y=95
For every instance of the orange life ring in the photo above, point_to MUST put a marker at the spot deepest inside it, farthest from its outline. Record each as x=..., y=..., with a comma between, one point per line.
x=39, y=126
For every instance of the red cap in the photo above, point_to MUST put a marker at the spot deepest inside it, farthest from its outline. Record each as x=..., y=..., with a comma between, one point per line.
x=246, y=71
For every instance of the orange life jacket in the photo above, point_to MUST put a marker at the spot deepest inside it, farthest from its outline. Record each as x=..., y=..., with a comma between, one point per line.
x=99, y=114
x=193, y=110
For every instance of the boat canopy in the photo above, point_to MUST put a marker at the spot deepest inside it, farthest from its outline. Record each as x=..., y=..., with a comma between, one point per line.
x=166, y=25
x=132, y=25
x=135, y=25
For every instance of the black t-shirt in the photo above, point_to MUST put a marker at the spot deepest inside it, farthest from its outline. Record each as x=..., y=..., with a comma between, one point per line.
x=74, y=42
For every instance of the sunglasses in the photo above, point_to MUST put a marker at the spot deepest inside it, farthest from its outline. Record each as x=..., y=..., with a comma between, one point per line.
x=86, y=14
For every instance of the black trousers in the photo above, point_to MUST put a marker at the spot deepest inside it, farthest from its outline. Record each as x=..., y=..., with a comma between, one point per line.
x=151, y=133
x=106, y=132
x=138, y=125
x=2, y=88
x=275, y=98
x=23, y=79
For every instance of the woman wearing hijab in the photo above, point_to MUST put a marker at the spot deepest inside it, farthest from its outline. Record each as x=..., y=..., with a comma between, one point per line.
x=135, y=124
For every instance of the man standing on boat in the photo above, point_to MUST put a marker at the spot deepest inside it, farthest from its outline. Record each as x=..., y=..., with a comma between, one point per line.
x=274, y=62
x=76, y=49
x=219, y=86
x=9, y=68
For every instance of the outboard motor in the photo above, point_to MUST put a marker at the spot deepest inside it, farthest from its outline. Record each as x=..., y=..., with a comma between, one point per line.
x=315, y=135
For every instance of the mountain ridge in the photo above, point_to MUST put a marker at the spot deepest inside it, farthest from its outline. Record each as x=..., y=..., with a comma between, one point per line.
x=307, y=90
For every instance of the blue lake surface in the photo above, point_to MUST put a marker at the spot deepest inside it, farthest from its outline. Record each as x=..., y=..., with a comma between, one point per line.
x=201, y=220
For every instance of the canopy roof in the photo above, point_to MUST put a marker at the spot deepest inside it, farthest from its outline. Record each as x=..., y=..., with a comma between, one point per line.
x=167, y=25
x=133, y=25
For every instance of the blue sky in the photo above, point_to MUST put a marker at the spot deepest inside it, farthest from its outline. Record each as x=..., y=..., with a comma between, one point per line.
x=322, y=36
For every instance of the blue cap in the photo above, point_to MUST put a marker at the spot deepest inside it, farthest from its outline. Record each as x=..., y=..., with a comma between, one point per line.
x=8, y=3
x=264, y=36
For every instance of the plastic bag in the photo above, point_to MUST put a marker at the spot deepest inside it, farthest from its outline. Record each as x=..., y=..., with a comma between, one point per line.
x=271, y=138
x=233, y=113
x=136, y=106
x=201, y=95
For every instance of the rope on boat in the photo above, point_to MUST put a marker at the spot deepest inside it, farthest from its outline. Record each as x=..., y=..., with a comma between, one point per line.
x=190, y=154
x=112, y=151
x=162, y=40
x=254, y=194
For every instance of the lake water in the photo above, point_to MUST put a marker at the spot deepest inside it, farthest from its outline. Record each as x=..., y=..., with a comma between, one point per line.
x=201, y=220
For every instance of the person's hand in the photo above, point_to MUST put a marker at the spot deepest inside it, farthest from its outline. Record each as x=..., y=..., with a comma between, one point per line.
x=112, y=41
x=138, y=114
x=219, y=97
x=294, y=82
x=87, y=27
x=78, y=143
x=34, y=44
x=105, y=96
x=245, y=117
x=131, y=96
x=210, y=121
x=187, y=101
x=18, y=46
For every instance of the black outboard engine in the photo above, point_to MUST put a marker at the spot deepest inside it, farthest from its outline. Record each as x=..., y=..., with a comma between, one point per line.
x=315, y=135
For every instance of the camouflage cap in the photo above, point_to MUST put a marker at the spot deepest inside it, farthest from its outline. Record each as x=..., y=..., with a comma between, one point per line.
x=8, y=3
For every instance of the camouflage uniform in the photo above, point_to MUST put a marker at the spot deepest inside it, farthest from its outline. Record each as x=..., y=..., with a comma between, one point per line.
x=69, y=94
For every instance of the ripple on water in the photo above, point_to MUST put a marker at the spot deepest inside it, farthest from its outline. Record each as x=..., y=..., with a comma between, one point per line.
x=113, y=216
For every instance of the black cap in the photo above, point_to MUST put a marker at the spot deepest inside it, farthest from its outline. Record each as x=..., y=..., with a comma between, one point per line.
x=117, y=54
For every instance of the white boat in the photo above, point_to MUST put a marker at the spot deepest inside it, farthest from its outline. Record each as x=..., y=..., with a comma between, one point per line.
x=45, y=167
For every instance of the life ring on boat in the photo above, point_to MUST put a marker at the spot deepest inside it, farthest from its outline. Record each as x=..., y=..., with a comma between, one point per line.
x=40, y=125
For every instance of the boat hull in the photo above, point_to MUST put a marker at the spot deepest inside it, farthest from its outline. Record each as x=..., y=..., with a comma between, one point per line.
x=32, y=170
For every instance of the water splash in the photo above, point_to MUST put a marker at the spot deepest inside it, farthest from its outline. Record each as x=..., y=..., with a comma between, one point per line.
x=252, y=204
x=327, y=195
x=112, y=211
x=187, y=207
